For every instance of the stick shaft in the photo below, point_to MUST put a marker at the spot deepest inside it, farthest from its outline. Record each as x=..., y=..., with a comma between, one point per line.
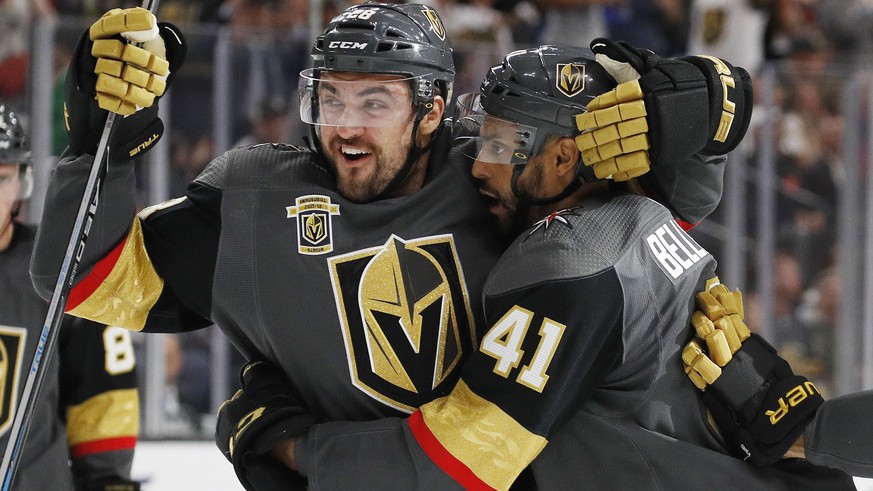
x=51, y=327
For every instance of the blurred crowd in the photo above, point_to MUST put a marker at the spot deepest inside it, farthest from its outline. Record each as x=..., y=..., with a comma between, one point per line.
x=810, y=45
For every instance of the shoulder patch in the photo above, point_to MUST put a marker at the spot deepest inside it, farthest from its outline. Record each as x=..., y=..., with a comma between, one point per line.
x=673, y=250
x=314, y=226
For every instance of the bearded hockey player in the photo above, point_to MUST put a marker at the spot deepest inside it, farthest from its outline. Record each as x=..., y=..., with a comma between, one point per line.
x=356, y=269
x=581, y=373
x=87, y=418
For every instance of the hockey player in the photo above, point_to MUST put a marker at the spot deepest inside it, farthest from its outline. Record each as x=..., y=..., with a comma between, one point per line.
x=356, y=268
x=581, y=370
x=87, y=417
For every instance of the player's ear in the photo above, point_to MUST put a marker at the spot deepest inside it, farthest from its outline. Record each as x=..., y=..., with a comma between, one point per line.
x=431, y=121
x=565, y=158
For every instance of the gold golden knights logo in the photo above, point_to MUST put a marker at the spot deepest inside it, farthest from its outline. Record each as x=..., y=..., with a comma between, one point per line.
x=435, y=23
x=314, y=227
x=571, y=78
x=11, y=355
x=406, y=318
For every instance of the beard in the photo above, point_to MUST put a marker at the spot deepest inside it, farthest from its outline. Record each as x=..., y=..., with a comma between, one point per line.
x=367, y=182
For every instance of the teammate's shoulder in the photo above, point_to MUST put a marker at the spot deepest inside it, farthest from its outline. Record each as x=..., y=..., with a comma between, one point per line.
x=593, y=234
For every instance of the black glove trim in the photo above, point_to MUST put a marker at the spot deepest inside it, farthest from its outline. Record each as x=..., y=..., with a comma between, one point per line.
x=730, y=96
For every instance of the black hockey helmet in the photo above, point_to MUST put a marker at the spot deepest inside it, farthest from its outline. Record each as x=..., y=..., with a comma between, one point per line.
x=533, y=94
x=539, y=90
x=15, y=150
x=404, y=39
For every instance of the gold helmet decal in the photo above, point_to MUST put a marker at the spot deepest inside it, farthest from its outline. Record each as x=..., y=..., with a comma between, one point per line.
x=406, y=318
x=11, y=357
x=435, y=23
x=571, y=78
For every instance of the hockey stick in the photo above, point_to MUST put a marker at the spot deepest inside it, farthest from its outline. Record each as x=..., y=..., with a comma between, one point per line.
x=50, y=329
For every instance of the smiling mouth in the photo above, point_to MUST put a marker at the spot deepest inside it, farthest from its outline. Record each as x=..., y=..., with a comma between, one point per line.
x=353, y=153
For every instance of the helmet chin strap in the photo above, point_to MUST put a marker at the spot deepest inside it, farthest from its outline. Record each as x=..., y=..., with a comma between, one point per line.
x=530, y=200
x=412, y=157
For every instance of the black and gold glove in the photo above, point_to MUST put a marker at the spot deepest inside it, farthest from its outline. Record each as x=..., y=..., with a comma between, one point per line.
x=759, y=405
x=264, y=411
x=663, y=109
x=109, y=74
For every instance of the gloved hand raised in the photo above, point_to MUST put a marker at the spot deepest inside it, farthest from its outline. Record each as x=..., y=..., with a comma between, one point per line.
x=662, y=110
x=109, y=74
x=760, y=406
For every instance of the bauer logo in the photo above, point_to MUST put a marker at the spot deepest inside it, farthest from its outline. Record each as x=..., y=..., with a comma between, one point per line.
x=314, y=228
x=11, y=358
x=675, y=252
x=792, y=398
x=571, y=78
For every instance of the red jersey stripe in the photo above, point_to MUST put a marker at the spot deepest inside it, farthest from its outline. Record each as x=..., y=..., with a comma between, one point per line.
x=105, y=445
x=441, y=457
x=90, y=283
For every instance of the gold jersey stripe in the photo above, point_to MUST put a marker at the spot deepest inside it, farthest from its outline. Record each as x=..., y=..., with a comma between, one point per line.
x=112, y=414
x=478, y=433
x=127, y=294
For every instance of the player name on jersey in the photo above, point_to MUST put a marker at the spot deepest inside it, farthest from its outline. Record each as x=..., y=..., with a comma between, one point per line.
x=675, y=252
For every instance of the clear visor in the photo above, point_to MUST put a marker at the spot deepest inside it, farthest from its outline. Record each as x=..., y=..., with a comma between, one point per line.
x=332, y=100
x=488, y=138
x=17, y=184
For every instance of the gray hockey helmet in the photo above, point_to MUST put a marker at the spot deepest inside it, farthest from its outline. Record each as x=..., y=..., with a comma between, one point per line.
x=404, y=39
x=537, y=92
x=15, y=150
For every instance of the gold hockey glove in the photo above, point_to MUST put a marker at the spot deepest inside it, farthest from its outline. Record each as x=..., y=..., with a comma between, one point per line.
x=109, y=74
x=759, y=405
x=613, y=140
x=663, y=110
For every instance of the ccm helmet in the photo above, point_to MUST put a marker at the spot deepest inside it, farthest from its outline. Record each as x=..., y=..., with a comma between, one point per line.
x=404, y=39
x=15, y=150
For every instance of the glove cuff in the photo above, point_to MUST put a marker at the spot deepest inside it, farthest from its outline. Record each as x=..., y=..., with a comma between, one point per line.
x=265, y=429
x=788, y=406
x=730, y=100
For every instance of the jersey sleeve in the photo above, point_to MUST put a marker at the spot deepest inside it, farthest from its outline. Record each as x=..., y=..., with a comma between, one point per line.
x=840, y=436
x=547, y=349
x=151, y=271
x=691, y=188
x=99, y=399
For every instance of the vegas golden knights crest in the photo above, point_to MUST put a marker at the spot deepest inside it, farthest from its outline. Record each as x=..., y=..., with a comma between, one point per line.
x=314, y=228
x=571, y=78
x=713, y=25
x=435, y=23
x=11, y=357
x=406, y=318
